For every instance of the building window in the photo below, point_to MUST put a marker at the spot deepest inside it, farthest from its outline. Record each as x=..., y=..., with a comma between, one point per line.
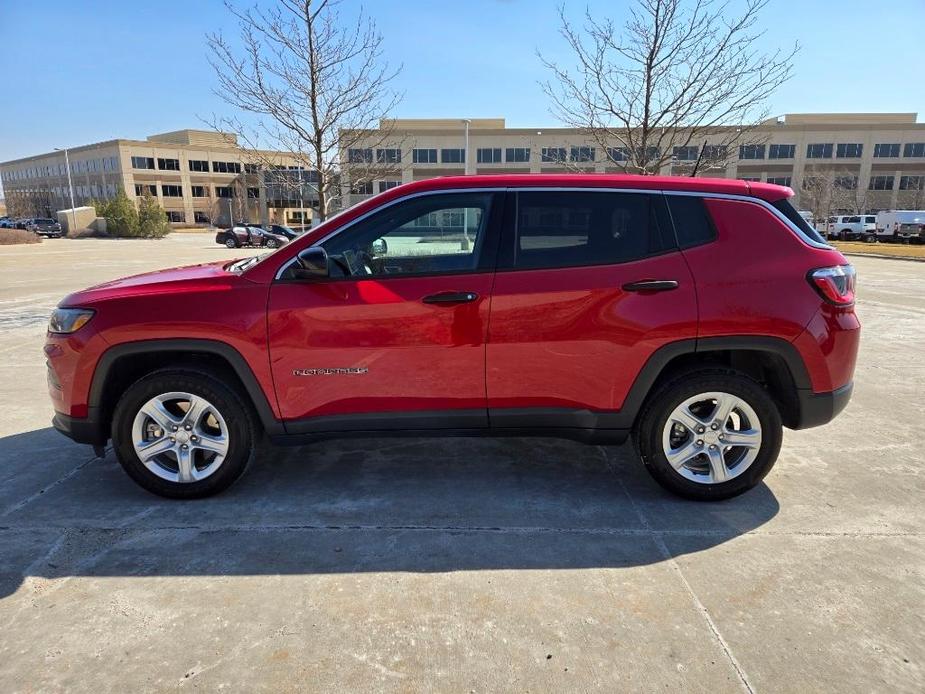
x=388, y=156
x=488, y=155
x=176, y=217
x=846, y=182
x=779, y=180
x=360, y=156
x=886, y=150
x=781, y=151
x=617, y=154
x=914, y=149
x=554, y=155
x=881, y=183
x=253, y=193
x=912, y=182
x=751, y=151
x=582, y=154
x=142, y=162
x=365, y=188
x=198, y=165
x=453, y=156
x=517, y=154
x=201, y=218
x=849, y=151
x=388, y=185
x=819, y=151
x=223, y=191
x=686, y=153
x=199, y=191
x=251, y=168
x=171, y=191
x=226, y=167
x=751, y=179
x=424, y=156
x=142, y=189
x=168, y=164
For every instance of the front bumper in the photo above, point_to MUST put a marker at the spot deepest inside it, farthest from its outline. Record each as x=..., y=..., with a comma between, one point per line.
x=817, y=409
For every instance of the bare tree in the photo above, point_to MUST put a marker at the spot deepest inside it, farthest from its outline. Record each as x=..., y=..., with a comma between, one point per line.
x=308, y=82
x=680, y=73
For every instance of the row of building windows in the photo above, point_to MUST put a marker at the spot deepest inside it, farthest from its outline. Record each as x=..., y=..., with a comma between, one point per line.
x=850, y=182
x=169, y=190
x=59, y=169
x=197, y=165
x=492, y=155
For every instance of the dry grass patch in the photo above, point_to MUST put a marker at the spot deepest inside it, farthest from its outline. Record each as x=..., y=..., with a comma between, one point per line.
x=9, y=237
x=898, y=250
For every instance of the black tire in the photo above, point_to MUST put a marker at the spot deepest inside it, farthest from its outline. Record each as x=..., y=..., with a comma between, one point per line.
x=231, y=242
x=271, y=243
x=233, y=406
x=647, y=433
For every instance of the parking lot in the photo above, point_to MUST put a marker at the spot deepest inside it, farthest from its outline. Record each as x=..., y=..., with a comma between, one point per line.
x=461, y=564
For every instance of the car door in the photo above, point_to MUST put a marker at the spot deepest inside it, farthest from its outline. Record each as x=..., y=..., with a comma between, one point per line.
x=395, y=337
x=589, y=284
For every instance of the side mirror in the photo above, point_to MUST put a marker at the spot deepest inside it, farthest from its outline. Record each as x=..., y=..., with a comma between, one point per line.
x=312, y=263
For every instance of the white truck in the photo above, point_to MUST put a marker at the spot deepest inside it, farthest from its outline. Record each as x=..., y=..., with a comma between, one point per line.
x=904, y=226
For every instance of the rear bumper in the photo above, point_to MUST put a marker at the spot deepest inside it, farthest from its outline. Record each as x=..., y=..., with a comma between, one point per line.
x=817, y=409
x=81, y=429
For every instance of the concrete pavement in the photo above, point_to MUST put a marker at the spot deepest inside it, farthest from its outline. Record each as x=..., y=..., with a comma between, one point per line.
x=461, y=564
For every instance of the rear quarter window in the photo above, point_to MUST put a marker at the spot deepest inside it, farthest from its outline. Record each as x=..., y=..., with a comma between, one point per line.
x=692, y=222
x=788, y=210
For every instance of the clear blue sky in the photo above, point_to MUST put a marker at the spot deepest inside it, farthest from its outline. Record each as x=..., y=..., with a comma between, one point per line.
x=76, y=72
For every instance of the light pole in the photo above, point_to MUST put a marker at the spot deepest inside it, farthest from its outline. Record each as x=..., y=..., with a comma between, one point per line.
x=70, y=187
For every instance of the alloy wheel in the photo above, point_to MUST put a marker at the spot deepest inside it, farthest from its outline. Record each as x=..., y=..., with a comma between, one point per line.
x=712, y=437
x=180, y=437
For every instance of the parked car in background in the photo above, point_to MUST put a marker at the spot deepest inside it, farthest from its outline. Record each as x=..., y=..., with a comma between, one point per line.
x=283, y=231
x=618, y=305
x=22, y=223
x=905, y=226
x=851, y=227
x=44, y=226
x=252, y=236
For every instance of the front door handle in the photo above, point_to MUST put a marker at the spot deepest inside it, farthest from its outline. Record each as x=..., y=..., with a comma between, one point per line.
x=650, y=286
x=450, y=298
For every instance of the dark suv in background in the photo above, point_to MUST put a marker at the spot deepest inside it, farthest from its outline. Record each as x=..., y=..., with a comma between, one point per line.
x=44, y=226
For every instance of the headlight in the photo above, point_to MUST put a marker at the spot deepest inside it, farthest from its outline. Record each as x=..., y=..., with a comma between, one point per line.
x=68, y=320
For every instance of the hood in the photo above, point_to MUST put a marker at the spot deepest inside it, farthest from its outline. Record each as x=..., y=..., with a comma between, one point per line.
x=173, y=280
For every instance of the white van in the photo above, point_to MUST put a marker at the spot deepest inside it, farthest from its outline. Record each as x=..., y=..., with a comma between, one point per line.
x=907, y=226
x=851, y=227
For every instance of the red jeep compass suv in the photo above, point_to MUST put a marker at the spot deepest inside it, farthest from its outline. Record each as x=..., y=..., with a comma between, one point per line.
x=700, y=315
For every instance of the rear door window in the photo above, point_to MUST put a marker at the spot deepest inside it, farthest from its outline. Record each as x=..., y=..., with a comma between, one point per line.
x=571, y=229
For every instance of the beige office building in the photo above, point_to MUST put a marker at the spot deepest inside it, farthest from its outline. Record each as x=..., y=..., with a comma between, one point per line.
x=834, y=162
x=198, y=177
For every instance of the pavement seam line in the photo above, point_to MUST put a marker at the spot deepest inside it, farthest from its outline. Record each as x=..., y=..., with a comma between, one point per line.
x=29, y=499
x=659, y=541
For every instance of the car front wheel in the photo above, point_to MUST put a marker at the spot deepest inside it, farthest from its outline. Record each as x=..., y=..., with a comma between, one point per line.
x=709, y=435
x=183, y=433
x=230, y=243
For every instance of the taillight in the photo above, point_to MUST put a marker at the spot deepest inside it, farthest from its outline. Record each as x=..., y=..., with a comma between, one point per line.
x=835, y=284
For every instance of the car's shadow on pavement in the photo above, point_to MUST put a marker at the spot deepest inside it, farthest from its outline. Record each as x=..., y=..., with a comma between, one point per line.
x=370, y=505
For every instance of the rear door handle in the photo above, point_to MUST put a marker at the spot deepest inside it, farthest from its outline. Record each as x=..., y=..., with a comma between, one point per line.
x=450, y=298
x=650, y=286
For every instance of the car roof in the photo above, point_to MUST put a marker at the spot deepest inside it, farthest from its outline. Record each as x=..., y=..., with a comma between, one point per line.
x=727, y=186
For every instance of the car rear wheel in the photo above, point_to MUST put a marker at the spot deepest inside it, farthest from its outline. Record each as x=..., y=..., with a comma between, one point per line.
x=183, y=433
x=271, y=243
x=231, y=243
x=709, y=435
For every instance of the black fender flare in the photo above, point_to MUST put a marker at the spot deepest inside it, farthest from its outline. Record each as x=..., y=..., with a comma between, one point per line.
x=238, y=363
